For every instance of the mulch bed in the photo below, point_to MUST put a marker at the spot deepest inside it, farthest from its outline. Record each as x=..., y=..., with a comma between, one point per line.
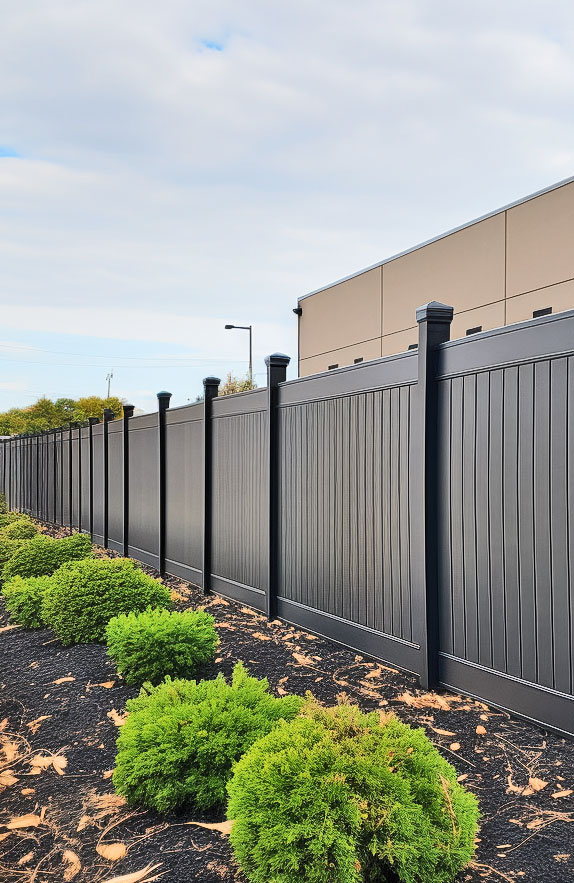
x=59, y=713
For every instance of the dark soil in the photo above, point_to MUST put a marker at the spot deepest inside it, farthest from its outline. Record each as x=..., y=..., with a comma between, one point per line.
x=67, y=702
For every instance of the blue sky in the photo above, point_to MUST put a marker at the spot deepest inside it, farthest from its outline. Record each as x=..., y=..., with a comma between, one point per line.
x=167, y=168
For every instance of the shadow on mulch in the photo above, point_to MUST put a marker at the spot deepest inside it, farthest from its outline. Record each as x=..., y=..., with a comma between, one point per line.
x=59, y=712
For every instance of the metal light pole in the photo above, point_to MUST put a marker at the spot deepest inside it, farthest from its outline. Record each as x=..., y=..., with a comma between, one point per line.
x=109, y=379
x=250, y=329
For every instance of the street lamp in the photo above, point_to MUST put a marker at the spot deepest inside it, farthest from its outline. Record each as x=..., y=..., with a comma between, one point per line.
x=250, y=329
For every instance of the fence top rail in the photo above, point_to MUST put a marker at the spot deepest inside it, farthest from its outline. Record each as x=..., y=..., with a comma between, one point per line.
x=543, y=338
x=396, y=370
x=184, y=413
x=240, y=403
x=142, y=421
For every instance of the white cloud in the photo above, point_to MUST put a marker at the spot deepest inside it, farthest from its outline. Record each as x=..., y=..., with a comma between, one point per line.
x=164, y=187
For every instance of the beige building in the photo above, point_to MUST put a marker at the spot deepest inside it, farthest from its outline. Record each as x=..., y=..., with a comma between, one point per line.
x=511, y=265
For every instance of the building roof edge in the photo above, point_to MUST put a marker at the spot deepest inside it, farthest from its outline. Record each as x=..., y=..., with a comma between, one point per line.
x=440, y=236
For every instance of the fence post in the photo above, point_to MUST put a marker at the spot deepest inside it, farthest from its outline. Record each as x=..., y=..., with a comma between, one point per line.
x=80, y=477
x=162, y=406
x=70, y=476
x=434, y=328
x=128, y=412
x=91, y=423
x=276, y=374
x=211, y=389
x=55, y=477
x=108, y=415
x=4, y=467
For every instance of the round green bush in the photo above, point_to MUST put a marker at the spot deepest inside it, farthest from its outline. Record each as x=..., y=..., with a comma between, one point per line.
x=150, y=645
x=23, y=598
x=8, y=548
x=19, y=529
x=181, y=739
x=337, y=796
x=8, y=518
x=42, y=555
x=84, y=595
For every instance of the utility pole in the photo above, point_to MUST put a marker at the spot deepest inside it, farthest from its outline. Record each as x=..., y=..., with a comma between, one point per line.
x=109, y=379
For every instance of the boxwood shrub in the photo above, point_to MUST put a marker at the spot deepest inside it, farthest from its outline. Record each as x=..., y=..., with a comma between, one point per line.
x=8, y=548
x=150, y=645
x=84, y=595
x=43, y=555
x=337, y=796
x=23, y=598
x=19, y=529
x=8, y=518
x=181, y=738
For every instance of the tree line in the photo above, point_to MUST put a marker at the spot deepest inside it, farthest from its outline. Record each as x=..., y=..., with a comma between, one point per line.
x=46, y=414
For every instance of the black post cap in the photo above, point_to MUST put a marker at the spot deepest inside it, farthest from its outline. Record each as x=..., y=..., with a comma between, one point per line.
x=163, y=398
x=435, y=312
x=129, y=410
x=277, y=360
x=108, y=415
x=93, y=420
x=211, y=382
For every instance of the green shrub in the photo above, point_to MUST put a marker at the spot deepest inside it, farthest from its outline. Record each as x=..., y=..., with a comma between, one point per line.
x=336, y=796
x=84, y=595
x=3, y=505
x=150, y=645
x=23, y=599
x=43, y=555
x=19, y=529
x=8, y=548
x=181, y=739
x=8, y=518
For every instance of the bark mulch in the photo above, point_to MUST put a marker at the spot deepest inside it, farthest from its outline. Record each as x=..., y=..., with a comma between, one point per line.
x=60, y=709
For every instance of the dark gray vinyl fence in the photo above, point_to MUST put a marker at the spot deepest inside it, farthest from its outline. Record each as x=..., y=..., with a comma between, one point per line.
x=415, y=508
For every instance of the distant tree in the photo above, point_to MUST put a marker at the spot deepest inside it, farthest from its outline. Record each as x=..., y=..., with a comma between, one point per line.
x=46, y=414
x=235, y=384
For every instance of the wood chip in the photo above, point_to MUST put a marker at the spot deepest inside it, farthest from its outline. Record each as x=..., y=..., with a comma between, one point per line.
x=537, y=784
x=142, y=876
x=7, y=778
x=566, y=793
x=113, y=852
x=63, y=680
x=480, y=730
x=116, y=717
x=74, y=865
x=25, y=858
x=30, y=820
x=454, y=746
x=303, y=660
x=34, y=725
x=221, y=827
x=261, y=637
